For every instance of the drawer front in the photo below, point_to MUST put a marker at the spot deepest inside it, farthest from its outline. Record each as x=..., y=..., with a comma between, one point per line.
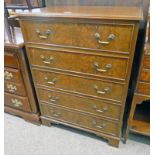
x=82, y=63
x=146, y=62
x=145, y=75
x=17, y=89
x=112, y=37
x=97, y=107
x=80, y=119
x=78, y=84
x=12, y=75
x=17, y=102
x=143, y=88
x=11, y=60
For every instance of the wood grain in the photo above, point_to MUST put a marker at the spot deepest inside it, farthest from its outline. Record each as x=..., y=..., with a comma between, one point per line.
x=81, y=63
x=15, y=75
x=87, y=12
x=80, y=119
x=80, y=35
x=10, y=60
x=24, y=106
x=83, y=104
x=81, y=85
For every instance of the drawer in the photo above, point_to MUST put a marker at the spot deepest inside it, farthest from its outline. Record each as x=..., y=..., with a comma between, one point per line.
x=146, y=62
x=14, y=88
x=11, y=60
x=12, y=75
x=17, y=102
x=145, y=75
x=81, y=85
x=111, y=37
x=143, y=88
x=79, y=119
x=97, y=107
x=102, y=66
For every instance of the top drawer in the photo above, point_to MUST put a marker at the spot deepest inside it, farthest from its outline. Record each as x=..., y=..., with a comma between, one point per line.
x=110, y=37
x=11, y=60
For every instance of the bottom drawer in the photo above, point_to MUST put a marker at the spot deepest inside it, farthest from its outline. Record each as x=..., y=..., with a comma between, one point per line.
x=80, y=119
x=143, y=88
x=18, y=102
x=97, y=107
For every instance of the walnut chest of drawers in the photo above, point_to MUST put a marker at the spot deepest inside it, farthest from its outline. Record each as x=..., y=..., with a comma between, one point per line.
x=19, y=95
x=81, y=59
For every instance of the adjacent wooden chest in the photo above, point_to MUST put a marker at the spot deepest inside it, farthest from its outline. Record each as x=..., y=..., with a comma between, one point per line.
x=19, y=96
x=139, y=116
x=81, y=61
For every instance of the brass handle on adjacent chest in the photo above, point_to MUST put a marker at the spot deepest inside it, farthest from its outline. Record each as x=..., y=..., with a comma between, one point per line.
x=109, y=39
x=47, y=61
x=55, y=114
x=102, y=126
x=100, y=110
x=16, y=102
x=8, y=75
x=51, y=82
x=53, y=99
x=11, y=88
x=105, y=90
x=107, y=67
x=46, y=34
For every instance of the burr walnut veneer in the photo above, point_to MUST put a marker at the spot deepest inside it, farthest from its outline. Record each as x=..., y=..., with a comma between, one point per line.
x=19, y=96
x=81, y=59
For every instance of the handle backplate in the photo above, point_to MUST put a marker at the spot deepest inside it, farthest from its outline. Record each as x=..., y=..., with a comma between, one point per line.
x=44, y=35
x=107, y=67
x=109, y=39
x=105, y=90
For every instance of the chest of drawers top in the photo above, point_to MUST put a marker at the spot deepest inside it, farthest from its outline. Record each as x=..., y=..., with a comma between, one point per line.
x=97, y=28
x=87, y=12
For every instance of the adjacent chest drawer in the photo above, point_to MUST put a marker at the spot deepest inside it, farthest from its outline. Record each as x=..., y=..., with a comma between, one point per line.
x=11, y=60
x=97, y=107
x=12, y=75
x=17, y=102
x=146, y=62
x=14, y=88
x=145, y=75
x=80, y=119
x=102, y=66
x=111, y=37
x=78, y=84
x=143, y=88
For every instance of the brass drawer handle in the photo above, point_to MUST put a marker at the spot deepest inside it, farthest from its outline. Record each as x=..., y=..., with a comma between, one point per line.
x=110, y=38
x=16, y=102
x=46, y=34
x=100, y=110
x=107, y=67
x=105, y=90
x=8, y=75
x=51, y=82
x=47, y=61
x=55, y=114
x=11, y=88
x=102, y=126
x=53, y=99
